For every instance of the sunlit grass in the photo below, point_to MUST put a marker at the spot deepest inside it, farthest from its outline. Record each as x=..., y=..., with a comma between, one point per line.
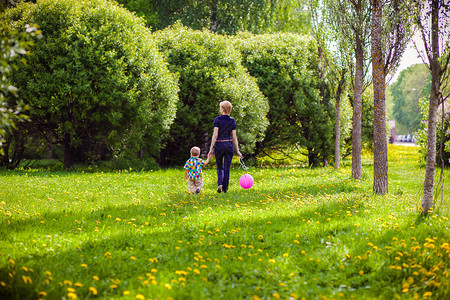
x=298, y=233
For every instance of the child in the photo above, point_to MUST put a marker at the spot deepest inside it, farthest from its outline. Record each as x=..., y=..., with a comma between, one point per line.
x=193, y=170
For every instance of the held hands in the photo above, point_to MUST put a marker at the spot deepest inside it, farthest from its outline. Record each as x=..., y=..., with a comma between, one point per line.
x=210, y=154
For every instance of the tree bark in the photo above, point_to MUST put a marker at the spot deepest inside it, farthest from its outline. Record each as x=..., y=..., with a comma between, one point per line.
x=435, y=66
x=213, y=26
x=357, y=109
x=337, y=141
x=69, y=156
x=380, y=162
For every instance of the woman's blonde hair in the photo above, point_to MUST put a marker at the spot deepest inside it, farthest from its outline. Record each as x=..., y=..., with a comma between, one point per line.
x=226, y=107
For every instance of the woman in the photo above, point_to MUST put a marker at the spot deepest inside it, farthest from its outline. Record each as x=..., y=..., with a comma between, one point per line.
x=224, y=136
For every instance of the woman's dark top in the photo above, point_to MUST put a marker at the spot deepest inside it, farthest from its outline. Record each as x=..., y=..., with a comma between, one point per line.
x=226, y=124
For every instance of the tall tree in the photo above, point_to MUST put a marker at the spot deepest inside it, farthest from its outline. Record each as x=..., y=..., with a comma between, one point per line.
x=386, y=49
x=353, y=19
x=339, y=66
x=332, y=64
x=433, y=23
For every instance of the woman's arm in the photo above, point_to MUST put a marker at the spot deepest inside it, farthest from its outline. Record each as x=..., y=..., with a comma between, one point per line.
x=213, y=141
x=235, y=142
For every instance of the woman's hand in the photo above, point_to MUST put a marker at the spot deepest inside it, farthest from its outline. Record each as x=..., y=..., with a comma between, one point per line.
x=239, y=153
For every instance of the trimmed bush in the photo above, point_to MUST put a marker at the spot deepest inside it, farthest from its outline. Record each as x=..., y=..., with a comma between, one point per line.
x=96, y=82
x=210, y=71
x=287, y=70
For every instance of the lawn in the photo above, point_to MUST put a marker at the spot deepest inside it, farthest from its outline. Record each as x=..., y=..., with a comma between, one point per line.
x=297, y=233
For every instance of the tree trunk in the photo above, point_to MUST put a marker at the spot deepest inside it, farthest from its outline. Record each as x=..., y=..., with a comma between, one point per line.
x=357, y=109
x=213, y=18
x=427, y=200
x=337, y=141
x=69, y=156
x=380, y=162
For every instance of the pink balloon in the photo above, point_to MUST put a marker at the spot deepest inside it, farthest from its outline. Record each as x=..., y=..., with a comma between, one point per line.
x=246, y=181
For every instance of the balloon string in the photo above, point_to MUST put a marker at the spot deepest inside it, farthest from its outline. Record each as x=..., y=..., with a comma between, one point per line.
x=243, y=166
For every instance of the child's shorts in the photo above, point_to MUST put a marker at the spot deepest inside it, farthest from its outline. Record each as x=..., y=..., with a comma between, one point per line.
x=194, y=185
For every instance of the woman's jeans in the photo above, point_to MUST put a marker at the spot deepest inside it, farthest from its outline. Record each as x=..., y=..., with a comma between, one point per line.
x=223, y=152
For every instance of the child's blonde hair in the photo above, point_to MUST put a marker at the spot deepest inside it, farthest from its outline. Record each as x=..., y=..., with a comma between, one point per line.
x=195, y=151
x=226, y=107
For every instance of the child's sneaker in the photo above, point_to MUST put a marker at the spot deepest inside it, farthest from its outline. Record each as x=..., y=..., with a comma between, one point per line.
x=197, y=191
x=219, y=189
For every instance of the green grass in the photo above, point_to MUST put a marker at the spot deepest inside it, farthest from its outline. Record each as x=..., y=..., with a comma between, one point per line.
x=298, y=233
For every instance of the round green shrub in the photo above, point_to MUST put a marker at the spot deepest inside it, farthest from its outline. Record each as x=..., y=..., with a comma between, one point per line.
x=96, y=82
x=287, y=70
x=210, y=71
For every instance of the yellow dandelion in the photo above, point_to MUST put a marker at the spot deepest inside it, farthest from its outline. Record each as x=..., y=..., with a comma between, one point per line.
x=26, y=279
x=126, y=293
x=168, y=286
x=140, y=297
x=95, y=277
x=72, y=295
x=93, y=290
x=276, y=295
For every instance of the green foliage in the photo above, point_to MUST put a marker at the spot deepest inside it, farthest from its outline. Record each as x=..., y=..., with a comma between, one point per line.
x=224, y=16
x=96, y=81
x=13, y=47
x=298, y=233
x=442, y=132
x=301, y=113
x=210, y=71
x=412, y=84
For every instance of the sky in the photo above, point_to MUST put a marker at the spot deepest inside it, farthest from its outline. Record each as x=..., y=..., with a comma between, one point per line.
x=410, y=57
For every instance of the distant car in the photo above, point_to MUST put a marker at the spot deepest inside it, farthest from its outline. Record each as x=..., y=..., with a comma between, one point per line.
x=401, y=138
x=408, y=138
